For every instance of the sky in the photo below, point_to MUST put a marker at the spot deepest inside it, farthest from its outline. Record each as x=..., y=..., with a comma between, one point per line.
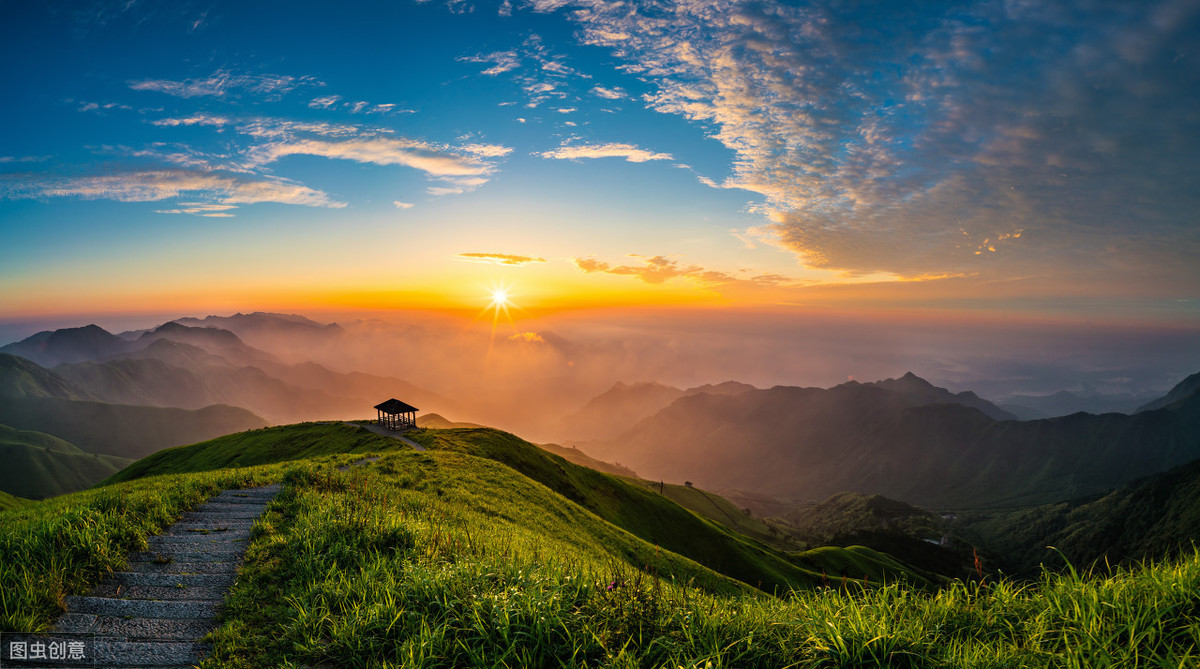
x=1033, y=161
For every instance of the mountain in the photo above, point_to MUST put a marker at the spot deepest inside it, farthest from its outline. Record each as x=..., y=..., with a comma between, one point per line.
x=1065, y=403
x=37, y=465
x=8, y=501
x=918, y=391
x=216, y=341
x=195, y=367
x=68, y=345
x=20, y=377
x=1181, y=392
x=120, y=429
x=1151, y=519
x=620, y=407
x=810, y=443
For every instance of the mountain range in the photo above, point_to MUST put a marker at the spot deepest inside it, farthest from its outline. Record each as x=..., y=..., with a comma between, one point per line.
x=127, y=396
x=902, y=438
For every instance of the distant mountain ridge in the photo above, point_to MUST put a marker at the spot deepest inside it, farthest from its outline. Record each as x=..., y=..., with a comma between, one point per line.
x=68, y=345
x=1180, y=393
x=810, y=443
x=621, y=406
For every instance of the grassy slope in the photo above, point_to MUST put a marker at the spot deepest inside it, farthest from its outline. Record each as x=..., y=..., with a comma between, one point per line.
x=443, y=558
x=257, y=447
x=714, y=507
x=1155, y=518
x=657, y=519
x=38, y=465
x=8, y=501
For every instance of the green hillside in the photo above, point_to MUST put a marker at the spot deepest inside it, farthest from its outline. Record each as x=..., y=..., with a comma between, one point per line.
x=21, y=378
x=444, y=558
x=8, y=501
x=649, y=516
x=1155, y=518
x=38, y=465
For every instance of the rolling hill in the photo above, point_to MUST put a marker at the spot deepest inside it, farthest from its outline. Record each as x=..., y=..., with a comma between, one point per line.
x=650, y=517
x=38, y=465
x=1151, y=519
x=454, y=557
x=808, y=444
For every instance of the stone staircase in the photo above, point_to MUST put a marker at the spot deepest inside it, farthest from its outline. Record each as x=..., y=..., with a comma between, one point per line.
x=153, y=614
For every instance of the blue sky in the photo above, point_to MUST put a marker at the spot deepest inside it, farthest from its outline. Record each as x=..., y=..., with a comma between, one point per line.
x=1023, y=157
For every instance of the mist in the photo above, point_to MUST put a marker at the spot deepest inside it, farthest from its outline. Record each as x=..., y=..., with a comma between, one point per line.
x=525, y=376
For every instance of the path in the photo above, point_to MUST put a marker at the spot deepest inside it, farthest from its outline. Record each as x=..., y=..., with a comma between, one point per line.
x=153, y=614
x=388, y=433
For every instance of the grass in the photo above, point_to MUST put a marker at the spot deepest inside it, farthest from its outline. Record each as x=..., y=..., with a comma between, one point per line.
x=451, y=558
x=8, y=501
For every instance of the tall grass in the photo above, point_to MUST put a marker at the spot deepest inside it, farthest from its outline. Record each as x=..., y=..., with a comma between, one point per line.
x=390, y=566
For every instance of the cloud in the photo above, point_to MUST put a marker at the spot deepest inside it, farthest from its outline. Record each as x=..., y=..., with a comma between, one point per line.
x=432, y=160
x=151, y=186
x=629, y=152
x=660, y=269
x=223, y=83
x=356, y=107
x=500, y=258
x=200, y=209
x=907, y=138
x=194, y=119
x=502, y=61
x=402, y=205
x=96, y=106
x=615, y=93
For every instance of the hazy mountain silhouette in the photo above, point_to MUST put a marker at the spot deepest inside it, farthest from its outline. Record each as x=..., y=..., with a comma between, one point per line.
x=810, y=443
x=1181, y=392
x=919, y=391
x=1065, y=403
x=68, y=345
x=620, y=407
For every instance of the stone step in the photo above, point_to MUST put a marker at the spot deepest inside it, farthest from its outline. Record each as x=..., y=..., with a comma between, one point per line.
x=159, y=592
x=142, y=608
x=191, y=555
x=182, y=567
x=218, y=507
x=219, y=516
x=197, y=545
x=127, y=578
x=134, y=628
x=229, y=536
x=210, y=528
x=149, y=653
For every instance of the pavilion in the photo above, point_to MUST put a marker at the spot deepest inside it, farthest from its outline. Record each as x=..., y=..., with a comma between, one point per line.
x=397, y=415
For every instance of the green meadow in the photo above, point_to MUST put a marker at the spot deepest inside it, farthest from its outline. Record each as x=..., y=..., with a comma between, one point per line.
x=484, y=550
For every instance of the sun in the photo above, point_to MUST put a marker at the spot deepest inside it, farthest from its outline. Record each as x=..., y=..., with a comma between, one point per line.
x=500, y=298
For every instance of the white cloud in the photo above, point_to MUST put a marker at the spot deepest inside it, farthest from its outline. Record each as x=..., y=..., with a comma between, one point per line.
x=379, y=151
x=502, y=61
x=876, y=140
x=402, y=205
x=324, y=102
x=615, y=93
x=200, y=209
x=155, y=185
x=194, y=119
x=629, y=152
x=223, y=82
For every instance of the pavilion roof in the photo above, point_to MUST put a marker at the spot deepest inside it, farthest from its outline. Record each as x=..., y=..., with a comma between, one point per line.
x=395, y=406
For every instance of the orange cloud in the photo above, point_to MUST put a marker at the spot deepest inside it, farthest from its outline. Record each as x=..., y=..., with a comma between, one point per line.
x=500, y=258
